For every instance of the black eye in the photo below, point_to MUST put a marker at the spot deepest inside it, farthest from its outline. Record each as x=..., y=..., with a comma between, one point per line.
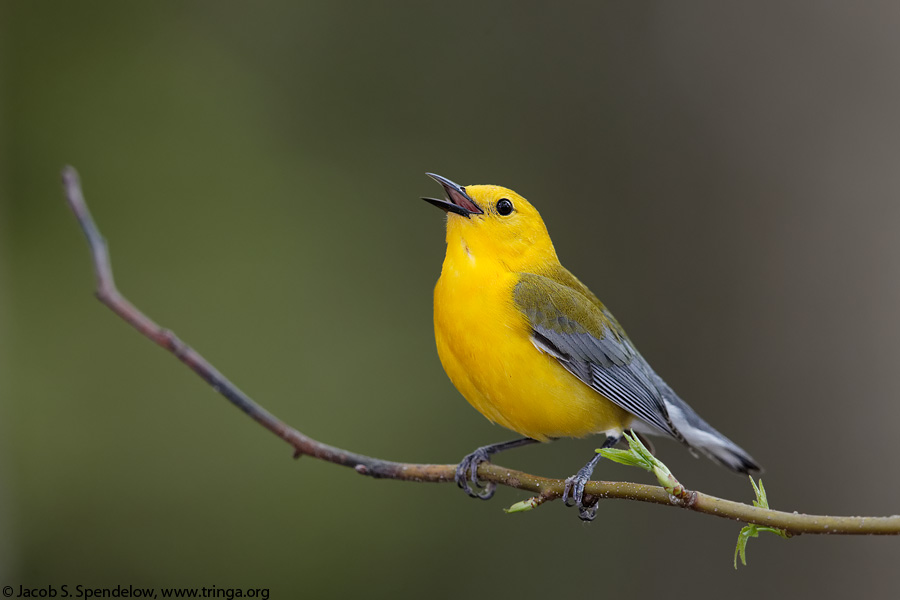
x=504, y=206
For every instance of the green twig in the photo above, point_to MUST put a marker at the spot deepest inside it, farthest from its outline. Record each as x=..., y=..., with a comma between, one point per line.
x=753, y=530
x=637, y=455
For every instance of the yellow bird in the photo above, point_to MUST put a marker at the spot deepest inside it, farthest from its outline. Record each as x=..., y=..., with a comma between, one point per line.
x=534, y=350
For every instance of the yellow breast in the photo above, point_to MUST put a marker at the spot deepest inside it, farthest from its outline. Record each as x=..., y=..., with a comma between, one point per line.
x=484, y=344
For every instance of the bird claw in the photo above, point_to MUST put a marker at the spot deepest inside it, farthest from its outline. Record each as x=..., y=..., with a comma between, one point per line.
x=568, y=499
x=573, y=494
x=587, y=513
x=469, y=465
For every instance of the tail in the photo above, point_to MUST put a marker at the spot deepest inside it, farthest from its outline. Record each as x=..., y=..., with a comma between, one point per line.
x=702, y=436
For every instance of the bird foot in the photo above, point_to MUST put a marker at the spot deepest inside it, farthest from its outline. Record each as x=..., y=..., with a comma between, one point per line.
x=573, y=494
x=469, y=465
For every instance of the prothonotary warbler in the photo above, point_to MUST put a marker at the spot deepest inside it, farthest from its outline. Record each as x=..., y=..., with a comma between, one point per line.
x=533, y=349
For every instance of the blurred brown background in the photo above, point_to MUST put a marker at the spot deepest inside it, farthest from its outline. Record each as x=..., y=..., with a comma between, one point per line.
x=724, y=175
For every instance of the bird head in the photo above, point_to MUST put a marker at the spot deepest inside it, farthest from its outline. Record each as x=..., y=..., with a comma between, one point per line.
x=493, y=222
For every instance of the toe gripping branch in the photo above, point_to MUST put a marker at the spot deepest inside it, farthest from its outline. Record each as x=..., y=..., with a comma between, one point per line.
x=467, y=471
x=573, y=493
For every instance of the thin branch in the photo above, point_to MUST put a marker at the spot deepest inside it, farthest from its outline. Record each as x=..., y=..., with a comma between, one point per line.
x=546, y=489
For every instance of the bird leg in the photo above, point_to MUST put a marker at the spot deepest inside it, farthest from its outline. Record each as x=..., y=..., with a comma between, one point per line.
x=471, y=461
x=573, y=493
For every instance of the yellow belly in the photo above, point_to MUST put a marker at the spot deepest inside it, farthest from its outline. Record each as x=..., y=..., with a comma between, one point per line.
x=484, y=344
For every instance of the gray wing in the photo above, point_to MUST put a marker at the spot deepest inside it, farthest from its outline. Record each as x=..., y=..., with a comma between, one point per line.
x=588, y=342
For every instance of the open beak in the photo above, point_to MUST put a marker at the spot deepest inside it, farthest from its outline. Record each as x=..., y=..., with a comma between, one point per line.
x=458, y=201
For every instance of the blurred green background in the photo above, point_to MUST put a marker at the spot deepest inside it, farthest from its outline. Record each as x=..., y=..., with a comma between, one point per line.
x=723, y=175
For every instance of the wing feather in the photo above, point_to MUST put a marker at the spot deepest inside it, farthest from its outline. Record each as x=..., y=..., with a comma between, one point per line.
x=587, y=340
